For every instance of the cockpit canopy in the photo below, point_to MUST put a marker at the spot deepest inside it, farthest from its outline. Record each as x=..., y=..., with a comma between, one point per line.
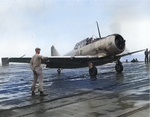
x=85, y=42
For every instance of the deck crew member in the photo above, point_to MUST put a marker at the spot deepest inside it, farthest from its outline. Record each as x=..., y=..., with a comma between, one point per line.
x=149, y=55
x=92, y=70
x=35, y=65
x=146, y=56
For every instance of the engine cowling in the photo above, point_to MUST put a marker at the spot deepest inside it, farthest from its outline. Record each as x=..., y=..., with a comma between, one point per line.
x=116, y=44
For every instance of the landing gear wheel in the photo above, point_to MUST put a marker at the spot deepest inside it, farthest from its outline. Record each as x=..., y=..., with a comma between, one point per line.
x=59, y=71
x=119, y=68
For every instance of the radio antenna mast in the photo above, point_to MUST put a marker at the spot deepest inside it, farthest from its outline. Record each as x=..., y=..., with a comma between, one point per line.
x=98, y=29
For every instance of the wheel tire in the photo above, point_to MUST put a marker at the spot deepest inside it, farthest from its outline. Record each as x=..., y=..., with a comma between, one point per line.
x=93, y=71
x=119, y=68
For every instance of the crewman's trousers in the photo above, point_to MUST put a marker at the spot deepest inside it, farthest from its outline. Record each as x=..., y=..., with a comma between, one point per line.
x=146, y=59
x=37, y=75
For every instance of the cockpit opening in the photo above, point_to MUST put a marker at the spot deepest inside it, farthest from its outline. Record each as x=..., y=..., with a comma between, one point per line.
x=86, y=42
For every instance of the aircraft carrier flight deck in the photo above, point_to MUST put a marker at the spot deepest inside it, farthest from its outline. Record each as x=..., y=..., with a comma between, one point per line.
x=74, y=94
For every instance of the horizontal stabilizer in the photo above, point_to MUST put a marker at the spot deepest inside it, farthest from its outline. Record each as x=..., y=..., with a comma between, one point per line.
x=54, y=52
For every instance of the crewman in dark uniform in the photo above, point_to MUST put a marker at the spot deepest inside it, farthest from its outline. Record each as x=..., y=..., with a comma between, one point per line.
x=146, y=56
x=149, y=55
x=92, y=70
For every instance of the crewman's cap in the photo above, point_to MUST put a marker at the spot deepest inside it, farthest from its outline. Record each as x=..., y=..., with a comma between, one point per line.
x=37, y=49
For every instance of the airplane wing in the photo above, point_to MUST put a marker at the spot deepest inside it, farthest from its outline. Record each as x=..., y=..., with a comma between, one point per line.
x=82, y=61
x=61, y=61
x=23, y=60
x=74, y=61
x=19, y=60
x=129, y=53
x=27, y=60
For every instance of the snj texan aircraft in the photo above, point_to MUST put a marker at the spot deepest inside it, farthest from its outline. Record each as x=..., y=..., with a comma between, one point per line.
x=97, y=51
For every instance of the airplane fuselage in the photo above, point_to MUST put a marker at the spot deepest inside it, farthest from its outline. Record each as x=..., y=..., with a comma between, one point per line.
x=100, y=47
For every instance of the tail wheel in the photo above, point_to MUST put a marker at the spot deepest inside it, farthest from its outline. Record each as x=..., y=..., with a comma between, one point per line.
x=119, y=68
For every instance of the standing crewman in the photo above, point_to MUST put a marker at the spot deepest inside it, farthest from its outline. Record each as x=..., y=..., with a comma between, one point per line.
x=92, y=70
x=146, y=56
x=149, y=55
x=35, y=65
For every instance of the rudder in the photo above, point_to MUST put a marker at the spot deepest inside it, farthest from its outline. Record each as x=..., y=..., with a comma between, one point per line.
x=54, y=52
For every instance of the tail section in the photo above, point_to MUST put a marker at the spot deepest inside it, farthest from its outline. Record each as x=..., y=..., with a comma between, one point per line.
x=54, y=52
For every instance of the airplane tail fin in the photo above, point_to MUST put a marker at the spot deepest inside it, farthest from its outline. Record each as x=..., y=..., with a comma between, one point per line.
x=54, y=52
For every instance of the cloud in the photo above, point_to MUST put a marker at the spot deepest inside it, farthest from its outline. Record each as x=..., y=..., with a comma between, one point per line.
x=131, y=20
x=17, y=19
x=137, y=32
x=26, y=24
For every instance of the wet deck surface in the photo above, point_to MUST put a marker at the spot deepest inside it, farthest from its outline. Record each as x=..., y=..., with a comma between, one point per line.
x=73, y=93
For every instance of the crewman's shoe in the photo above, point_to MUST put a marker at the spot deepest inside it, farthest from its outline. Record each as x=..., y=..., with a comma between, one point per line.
x=42, y=93
x=33, y=93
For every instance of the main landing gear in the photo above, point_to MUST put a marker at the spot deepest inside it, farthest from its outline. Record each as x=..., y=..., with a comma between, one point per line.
x=119, y=66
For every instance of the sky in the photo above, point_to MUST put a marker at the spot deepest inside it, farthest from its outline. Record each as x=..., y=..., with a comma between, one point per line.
x=27, y=24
